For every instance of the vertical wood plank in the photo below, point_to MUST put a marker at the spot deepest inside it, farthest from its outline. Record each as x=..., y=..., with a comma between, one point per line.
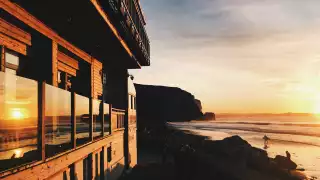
x=41, y=117
x=73, y=120
x=2, y=59
x=54, y=64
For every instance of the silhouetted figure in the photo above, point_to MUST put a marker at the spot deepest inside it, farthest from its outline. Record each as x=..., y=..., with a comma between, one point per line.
x=288, y=155
x=266, y=141
x=13, y=156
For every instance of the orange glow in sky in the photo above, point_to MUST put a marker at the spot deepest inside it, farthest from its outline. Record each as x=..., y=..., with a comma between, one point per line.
x=237, y=56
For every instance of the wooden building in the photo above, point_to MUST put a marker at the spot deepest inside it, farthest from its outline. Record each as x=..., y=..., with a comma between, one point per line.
x=67, y=103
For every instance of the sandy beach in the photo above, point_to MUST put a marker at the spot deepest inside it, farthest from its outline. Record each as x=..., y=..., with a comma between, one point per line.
x=304, y=149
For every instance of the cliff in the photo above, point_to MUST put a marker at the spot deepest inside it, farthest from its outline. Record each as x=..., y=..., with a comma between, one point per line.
x=159, y=104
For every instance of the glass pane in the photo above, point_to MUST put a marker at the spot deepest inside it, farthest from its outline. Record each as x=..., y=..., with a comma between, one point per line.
x=57, y=120
x=18, y=120
x=11, y=71
x=12, y=58
x=82, y=119
x=106, y=125
x=97, y=113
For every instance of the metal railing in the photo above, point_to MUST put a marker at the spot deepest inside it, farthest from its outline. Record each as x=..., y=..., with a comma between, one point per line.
x=133, y=22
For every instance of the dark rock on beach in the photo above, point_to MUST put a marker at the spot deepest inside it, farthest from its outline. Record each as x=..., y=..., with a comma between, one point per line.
x=197, y=157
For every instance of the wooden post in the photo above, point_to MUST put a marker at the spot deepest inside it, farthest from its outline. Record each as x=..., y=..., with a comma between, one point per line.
x=2, y=59
x=73, y=120
x=91, y=119
x=102, y=116
x=110, y=117
x=54, y=63
x=41, y=117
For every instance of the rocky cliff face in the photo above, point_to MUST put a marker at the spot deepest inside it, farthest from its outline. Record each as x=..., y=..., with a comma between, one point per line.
x=159, y=104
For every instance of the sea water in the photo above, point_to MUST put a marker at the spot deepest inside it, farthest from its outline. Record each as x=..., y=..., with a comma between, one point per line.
x=300, y=135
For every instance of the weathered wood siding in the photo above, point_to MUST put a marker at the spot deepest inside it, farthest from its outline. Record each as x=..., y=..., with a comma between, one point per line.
x=96, y=71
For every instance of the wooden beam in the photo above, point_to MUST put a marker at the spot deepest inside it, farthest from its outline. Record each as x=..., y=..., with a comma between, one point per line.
x=34, y=23
x=112, y=27
x=14, y=32
x=54, y=64
x=13, y=44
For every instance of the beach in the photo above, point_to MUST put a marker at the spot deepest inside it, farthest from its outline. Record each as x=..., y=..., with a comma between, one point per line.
x=298, y=135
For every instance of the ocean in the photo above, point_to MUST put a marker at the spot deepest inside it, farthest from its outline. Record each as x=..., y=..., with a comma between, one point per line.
x=300, y=135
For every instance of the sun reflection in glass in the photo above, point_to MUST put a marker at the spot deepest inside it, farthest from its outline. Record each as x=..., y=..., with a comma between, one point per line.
x=16, y=113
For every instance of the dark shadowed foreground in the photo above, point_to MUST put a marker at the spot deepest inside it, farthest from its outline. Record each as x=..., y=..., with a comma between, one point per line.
x=183, y=155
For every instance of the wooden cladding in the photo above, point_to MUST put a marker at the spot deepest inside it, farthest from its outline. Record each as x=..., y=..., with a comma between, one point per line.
x=96, y=70
x=68, y=60
x=14, y=32
x=63, y=63
x=13, y=44
x=65, y=68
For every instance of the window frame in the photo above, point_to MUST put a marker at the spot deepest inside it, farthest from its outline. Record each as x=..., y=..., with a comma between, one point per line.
x=7, y=65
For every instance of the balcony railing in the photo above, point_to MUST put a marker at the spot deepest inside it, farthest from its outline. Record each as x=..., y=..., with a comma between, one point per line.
x=117, y=119
x=39, y=121
x=132, y=16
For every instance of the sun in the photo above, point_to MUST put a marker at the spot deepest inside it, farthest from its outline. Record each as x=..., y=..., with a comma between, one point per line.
x=17, y=114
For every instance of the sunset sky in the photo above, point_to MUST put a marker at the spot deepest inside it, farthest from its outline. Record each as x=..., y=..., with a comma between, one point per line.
x=237, y=56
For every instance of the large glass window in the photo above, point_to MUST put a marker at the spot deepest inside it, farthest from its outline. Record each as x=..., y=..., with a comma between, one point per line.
x=82, y=119
x=97, y=117
x=18, y=120
x=57, y=120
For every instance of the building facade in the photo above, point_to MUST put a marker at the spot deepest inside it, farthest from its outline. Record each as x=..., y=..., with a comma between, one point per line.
x=67, y=103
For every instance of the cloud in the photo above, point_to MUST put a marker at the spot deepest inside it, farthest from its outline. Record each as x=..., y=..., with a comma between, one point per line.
x=247, y=45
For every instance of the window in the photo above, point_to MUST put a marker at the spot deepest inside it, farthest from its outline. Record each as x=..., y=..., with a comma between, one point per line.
x=12, y=62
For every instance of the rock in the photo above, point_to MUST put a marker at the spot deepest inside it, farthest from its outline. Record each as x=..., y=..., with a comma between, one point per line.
x=160, y=104
x=209, y=116
x=285, y=163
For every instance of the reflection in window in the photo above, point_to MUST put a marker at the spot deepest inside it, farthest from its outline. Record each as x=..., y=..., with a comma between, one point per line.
x=82, y=119
x=11, y=71
x=18, y=120
x=57, y=120
x=12, y=58
x=106, y=125
x=97, y=117
x=12, y=62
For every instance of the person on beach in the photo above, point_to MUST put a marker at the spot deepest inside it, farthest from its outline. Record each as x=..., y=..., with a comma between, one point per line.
x=266, y=141
x=288, y=155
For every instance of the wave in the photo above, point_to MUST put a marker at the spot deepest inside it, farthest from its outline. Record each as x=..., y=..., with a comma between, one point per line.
x=315, y=133
x=280, y=136
x=271, y=123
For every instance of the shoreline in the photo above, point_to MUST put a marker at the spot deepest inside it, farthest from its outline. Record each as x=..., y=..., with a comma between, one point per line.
x=195, y=156
x=306, y=155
